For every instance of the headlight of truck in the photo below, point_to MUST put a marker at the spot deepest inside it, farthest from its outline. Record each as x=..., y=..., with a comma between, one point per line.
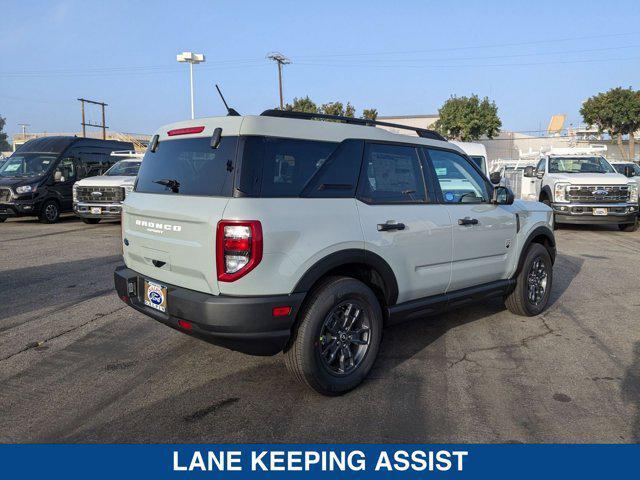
x=26, y=189
x=633, y=192
x=560, y=192
x=75, y=192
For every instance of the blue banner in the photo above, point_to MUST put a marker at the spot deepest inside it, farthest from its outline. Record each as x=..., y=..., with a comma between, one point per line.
x=318, y=461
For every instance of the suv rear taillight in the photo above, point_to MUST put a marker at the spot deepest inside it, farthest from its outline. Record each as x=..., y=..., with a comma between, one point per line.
x=238, y=248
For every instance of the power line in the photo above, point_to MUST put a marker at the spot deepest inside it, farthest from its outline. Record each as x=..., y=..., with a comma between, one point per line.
x=469, y=65
x=472, y=47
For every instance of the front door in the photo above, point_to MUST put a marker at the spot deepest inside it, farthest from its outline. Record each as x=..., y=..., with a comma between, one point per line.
x=64, y=176
x=483, y=233
x=401, y=223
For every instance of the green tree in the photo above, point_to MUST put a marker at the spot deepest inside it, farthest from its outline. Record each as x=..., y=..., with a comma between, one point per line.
x=337, y=108
x=468, y=118
x=616, y=112
x=4, y=145
x=302, y=105
x=370, y=113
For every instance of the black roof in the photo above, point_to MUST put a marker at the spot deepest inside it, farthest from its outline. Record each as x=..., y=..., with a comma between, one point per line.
x=60, y=143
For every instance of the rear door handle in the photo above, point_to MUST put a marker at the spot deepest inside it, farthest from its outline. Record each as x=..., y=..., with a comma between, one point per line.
x=467, y=221
x=385, y=227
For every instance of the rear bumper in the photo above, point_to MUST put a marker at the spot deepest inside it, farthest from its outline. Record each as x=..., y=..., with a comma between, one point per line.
x=245, y=324
x=617, y=213
x=107, y=210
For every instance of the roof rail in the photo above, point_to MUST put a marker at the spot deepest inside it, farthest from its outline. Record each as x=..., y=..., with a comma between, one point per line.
x=424, y=133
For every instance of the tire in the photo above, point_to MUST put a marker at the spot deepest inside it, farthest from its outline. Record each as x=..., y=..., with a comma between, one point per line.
x=49, y=212
x=318, y=331
x=519, y=301
x=91, y=221
x=629, y=227
x=3, y=219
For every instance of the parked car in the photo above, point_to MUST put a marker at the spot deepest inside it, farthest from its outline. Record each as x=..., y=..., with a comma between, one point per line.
x=282, y=233
x=101, y=197
x=37, y=179
x=582, y=187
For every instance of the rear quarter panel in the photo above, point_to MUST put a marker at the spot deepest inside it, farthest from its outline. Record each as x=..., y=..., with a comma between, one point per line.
x=297, y=232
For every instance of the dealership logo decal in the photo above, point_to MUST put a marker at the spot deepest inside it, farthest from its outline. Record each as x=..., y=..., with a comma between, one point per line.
x=155, y=227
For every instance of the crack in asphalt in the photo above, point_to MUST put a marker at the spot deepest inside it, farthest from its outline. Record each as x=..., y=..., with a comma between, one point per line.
x=523, y=343
x=40, y=343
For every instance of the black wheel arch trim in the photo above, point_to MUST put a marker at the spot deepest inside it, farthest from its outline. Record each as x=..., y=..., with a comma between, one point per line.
x=546, y=192
x=352, y=255
x=537, y=232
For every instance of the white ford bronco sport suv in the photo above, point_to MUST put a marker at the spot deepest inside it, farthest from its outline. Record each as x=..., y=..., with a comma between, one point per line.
x=583, y=188
x=284, y=233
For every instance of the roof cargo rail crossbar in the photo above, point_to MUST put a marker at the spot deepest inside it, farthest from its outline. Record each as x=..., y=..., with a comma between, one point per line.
x=424, y=133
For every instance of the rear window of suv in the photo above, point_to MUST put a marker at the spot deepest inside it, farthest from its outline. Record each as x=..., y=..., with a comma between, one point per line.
x=189, y=167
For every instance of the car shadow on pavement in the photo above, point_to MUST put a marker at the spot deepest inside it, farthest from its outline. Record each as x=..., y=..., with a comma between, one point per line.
x=631, y=391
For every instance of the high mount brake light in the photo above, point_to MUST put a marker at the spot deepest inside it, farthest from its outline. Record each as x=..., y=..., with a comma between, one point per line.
x=185, y=131
x=238, y=248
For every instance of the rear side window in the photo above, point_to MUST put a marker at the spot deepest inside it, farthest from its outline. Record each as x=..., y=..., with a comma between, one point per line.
x=281, y=167
x=391, y=174
x=189, y=167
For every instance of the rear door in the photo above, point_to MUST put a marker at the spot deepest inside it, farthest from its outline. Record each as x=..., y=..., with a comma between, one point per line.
x=400, y=223
x=171, y=218
x=483, y=233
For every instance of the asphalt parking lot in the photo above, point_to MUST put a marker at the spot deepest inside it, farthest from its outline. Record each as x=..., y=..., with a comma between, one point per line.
x=77, y=365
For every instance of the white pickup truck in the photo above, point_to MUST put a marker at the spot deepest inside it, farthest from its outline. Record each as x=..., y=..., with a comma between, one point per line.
x=101, y=197
x=583, y=188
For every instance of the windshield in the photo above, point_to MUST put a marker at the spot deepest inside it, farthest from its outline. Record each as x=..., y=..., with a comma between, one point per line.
x=124, y=168
x=579, y=165
x=479, y=161
x=620, y=168
x=27, y=165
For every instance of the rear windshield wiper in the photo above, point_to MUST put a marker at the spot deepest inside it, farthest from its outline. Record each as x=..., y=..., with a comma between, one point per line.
x=174, y=185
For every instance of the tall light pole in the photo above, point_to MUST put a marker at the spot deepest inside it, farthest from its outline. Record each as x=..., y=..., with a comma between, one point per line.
x=192, y=59
x=280, y=60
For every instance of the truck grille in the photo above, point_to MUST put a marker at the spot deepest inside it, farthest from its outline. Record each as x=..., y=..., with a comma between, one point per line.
x=100, y=194
x=599, y=194
x=5, y=194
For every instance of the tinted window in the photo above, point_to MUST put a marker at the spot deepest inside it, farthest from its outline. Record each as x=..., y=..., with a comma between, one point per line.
x=189, y=167
x=281, y=167
x=338, y=177
x=67, y=169
x=540, y=167
x=391, y=174
x=459, y=181
x=479, y=161
x=26, y=165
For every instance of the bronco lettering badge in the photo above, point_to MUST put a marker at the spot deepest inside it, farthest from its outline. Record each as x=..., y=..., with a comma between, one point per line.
x=156, y=227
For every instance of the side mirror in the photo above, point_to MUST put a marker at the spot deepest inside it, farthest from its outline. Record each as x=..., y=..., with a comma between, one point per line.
x=628, y=171
x=502, y=196
x=57, y=176
x=495, y=178
x=529, y=171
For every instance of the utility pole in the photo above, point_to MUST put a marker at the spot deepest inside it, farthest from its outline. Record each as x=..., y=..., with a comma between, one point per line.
x=103, y=126
x=24, y=129
x=280, y=60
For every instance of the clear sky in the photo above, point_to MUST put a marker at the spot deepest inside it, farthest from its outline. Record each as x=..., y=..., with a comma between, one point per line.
x=534, y=58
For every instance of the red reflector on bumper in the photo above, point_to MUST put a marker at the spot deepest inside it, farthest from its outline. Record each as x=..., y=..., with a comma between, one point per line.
x=281, y=311
x=185, y=325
